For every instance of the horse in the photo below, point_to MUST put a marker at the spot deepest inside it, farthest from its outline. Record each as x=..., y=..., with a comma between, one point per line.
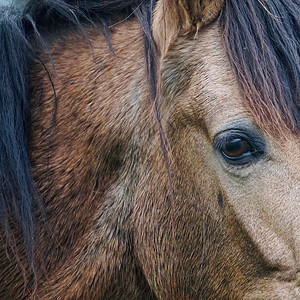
x=150, y=149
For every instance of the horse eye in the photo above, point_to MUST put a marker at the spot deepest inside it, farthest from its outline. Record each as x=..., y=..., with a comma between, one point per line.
x=235, y=148
x=239, y=148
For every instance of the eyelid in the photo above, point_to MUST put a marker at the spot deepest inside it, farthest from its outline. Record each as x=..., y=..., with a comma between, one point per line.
x=252, y=135
x=219, y=141
x=226, y=137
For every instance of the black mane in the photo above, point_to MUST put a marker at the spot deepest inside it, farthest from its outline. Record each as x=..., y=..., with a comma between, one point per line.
x=262, y=43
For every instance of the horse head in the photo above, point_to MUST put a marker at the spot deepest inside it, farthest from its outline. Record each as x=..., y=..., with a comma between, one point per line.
x=174, y=178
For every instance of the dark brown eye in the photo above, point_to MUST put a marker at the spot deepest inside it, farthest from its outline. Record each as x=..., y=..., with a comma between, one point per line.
x=239, y=148
x=236, y=148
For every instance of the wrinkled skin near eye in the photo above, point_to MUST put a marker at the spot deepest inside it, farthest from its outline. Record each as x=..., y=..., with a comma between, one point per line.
x=239, y=148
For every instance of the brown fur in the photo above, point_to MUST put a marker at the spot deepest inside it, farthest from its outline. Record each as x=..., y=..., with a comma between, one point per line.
x=98, y=153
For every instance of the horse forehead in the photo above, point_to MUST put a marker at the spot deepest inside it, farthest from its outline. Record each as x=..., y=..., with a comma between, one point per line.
x=209, y=86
